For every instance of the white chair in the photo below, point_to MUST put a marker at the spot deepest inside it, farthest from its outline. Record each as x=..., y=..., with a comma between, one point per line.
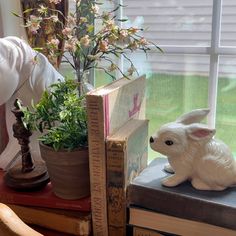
x=12, y=225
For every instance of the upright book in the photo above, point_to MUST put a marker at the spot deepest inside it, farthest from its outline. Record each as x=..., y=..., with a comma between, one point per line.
x=215, y=208
x=108, y=108
x=127, y=155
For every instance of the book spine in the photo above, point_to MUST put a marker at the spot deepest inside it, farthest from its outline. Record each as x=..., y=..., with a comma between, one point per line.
x=42, y=198
x=52, y=220
x=9, y=198
x=138, y=231
x=97, y=163
x=116, y=202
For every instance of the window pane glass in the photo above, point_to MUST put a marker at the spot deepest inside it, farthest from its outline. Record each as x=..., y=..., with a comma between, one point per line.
x=176, y=84
x=228, y=32
x=178, y=22
x=226, y=103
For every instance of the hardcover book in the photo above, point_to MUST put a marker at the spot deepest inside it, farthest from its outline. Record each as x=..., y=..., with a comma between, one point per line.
x=108, y=108
x=42, y=198
x=212, y=207
x=48, y=232
x=71, y=222
x=138, y=231
x=127, y=155
x=170, y=225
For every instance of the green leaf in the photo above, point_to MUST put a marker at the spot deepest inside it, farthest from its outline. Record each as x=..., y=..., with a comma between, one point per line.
x=90, y=28
x=15, y=14
x=122, y=20
x=38, y=49
x=27, y=10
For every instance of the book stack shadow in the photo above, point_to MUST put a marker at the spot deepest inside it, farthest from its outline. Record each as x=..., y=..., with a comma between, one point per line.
x=182, y=210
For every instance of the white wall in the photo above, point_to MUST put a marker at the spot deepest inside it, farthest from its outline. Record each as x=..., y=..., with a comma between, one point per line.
x=10, y=24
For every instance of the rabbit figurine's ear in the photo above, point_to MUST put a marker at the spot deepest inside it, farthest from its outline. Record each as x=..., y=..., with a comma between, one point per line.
x=194, y=116
x=200, y=132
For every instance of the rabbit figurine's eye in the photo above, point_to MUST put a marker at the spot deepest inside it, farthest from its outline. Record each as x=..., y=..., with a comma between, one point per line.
x=169, y=142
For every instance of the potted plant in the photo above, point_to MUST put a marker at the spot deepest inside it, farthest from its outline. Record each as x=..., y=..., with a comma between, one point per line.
x=61, y=118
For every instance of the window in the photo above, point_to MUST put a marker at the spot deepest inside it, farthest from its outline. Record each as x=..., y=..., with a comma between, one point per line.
x=197, y=68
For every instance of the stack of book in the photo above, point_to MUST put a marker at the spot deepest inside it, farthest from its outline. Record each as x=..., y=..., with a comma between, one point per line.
x=181, y=210
x=43, y=208
x=109, y=108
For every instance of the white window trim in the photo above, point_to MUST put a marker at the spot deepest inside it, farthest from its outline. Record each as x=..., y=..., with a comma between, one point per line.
x=214, y=60
x=120, y=16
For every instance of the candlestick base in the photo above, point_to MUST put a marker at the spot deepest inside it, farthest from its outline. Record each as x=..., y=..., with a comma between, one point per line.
x=32, y=180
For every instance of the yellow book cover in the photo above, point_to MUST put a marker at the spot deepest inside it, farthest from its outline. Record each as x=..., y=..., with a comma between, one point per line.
x=126, y=158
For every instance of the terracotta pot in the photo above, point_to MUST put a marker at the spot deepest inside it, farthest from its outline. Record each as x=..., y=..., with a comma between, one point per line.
x=68, y=171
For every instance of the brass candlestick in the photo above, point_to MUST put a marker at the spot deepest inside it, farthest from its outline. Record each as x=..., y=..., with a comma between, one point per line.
x=27, y=175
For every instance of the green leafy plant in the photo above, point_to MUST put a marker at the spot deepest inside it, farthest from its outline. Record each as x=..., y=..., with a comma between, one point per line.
x=60, y=115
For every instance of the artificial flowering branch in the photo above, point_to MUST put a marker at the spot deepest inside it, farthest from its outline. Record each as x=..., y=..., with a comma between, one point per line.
x=84, y=46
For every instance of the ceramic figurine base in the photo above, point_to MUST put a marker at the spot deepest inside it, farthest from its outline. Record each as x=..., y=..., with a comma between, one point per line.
x=32, y=180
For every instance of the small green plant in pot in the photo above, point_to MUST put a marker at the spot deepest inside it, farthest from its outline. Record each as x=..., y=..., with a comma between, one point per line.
x=60, y=116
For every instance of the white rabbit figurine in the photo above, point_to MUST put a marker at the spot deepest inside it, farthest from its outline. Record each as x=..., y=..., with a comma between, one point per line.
x=194, y=154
